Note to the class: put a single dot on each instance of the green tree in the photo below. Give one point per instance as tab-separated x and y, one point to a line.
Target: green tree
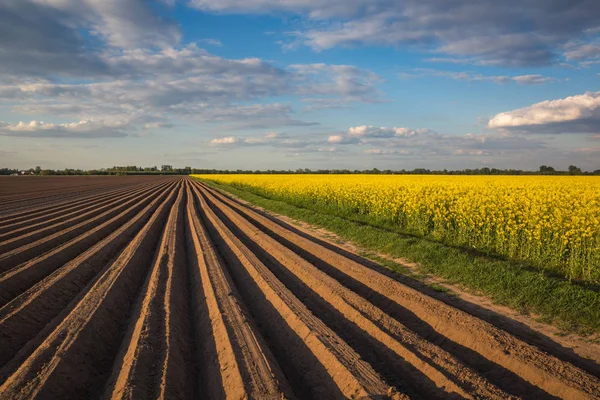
546	170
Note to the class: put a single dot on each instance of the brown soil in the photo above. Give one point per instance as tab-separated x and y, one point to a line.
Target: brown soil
527	326
160	287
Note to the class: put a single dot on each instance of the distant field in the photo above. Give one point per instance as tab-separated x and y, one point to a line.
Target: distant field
15	189
550	223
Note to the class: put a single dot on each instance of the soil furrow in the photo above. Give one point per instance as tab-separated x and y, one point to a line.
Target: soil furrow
59	203
75	357
31	217
27	314
337	362
18	279
154	358
32	198
11	230
99	192
27	252
31	236
508	361
249	369
389	343
43	186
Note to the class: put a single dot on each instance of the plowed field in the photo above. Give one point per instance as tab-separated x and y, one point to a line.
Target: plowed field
160	287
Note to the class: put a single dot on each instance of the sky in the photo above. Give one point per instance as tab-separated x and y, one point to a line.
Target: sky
287	84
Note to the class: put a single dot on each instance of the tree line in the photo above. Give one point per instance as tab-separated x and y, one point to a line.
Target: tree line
544	170
170	170
116	170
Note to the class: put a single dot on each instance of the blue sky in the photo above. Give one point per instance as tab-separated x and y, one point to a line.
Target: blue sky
259	84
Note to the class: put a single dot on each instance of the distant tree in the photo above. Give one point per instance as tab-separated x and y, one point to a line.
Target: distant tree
573	170
424	171
546	170
166	168
8	171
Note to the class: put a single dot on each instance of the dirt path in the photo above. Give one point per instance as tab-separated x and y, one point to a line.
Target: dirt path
165	288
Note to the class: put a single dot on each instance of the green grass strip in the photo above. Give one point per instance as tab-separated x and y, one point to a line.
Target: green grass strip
567	305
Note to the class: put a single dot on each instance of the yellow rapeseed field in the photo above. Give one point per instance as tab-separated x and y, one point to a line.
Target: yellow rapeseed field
548	222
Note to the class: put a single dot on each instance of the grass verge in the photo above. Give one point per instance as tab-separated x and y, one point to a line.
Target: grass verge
567	305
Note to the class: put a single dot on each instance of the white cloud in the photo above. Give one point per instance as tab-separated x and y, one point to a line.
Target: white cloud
365	134
82	129
269	138
342	139
368	131
533	79
371	131
322	9
426	143
382	152
225	141
297	144
420	147
120	23
581	51
580	113
346	82
189	60
190	83
328	150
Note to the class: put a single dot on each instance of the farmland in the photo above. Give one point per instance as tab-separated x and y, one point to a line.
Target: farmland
552	223
163	287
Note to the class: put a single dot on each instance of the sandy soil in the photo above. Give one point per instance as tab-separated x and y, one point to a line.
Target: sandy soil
163	288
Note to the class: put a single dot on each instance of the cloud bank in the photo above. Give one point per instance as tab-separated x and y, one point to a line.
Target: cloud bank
574	114
509	33
82	129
